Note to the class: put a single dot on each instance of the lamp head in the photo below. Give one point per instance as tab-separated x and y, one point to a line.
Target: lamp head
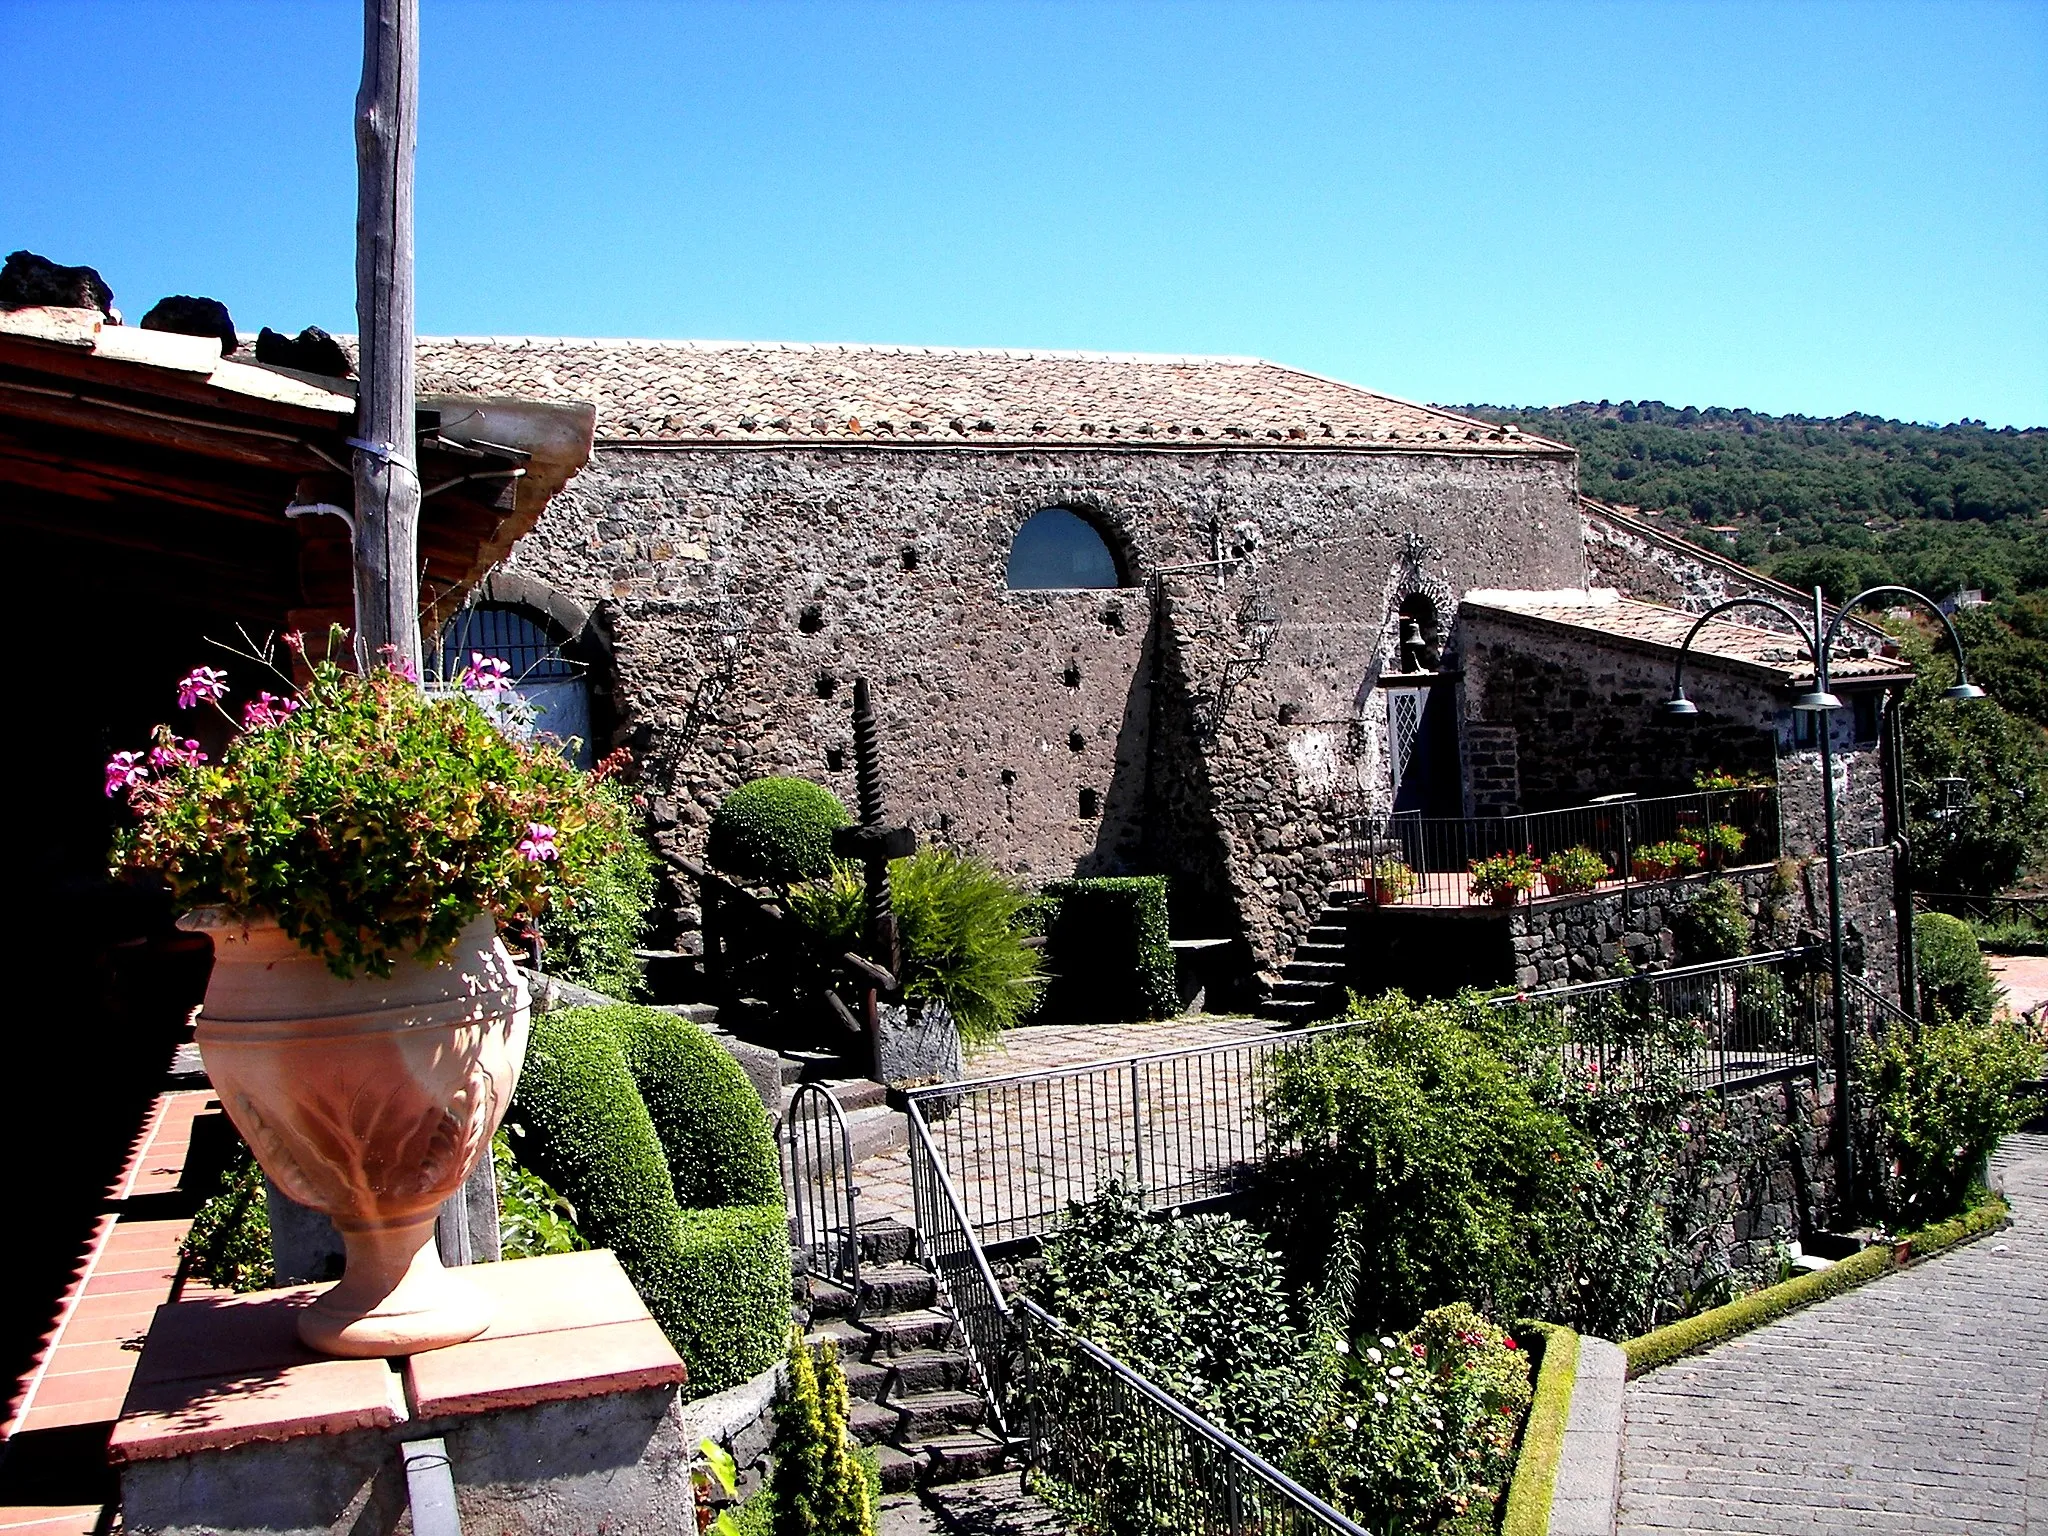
1678	707
1817	702
1963	692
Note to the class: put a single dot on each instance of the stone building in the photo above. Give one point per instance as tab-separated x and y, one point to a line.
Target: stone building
1121	613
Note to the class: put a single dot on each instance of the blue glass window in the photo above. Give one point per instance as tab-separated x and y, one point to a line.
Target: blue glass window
1057	549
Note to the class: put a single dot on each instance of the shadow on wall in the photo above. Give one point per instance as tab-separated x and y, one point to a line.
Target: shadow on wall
1120	834
1183	825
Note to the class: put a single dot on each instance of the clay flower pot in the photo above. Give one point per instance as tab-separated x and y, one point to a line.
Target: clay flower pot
371	1100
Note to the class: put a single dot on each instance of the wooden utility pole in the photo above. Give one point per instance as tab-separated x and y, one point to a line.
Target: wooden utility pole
386	467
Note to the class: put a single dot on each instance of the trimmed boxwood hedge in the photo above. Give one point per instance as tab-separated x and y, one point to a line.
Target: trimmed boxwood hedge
1107	948
1690	1335
777	830
656	1137
1530	1492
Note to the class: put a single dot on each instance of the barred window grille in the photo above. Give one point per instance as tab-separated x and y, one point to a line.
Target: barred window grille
1404	719
512	637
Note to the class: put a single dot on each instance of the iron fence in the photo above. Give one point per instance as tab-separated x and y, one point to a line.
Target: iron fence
1181	1126
2022	914
1702	1028
817	1178
1412	860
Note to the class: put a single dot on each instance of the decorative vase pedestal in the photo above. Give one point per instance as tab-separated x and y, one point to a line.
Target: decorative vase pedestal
369	1099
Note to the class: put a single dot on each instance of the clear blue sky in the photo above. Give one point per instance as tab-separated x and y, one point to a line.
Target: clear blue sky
1789	206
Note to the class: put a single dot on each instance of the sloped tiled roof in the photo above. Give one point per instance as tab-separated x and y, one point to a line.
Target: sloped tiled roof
1603	612
769	392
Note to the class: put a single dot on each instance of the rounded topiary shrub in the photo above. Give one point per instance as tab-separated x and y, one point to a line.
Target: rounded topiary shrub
776	830
1954	979
655	1136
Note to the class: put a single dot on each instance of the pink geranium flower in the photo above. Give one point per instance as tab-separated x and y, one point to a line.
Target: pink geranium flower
201	684
398	665
485	674
173	753
124	771
538	846
267	709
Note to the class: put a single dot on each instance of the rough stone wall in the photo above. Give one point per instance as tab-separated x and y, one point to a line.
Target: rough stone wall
1780	1186
1000	708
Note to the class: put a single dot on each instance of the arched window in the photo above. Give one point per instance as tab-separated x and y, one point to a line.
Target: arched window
542	676
1060	550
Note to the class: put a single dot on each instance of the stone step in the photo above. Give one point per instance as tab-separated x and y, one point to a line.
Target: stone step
900	1469
925	1415
852	1092
922	1370
957	1458
875	1131
1289	989
901	1332
893	1288
1325	972
1308	950
885	1240
870	1422
829	1298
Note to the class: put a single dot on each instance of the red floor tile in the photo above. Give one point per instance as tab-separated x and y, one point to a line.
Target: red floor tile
50	1519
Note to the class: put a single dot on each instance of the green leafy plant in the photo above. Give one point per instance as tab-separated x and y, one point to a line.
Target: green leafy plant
1658	861
368	818
1714	845
532	1219
1389	879
821	1483
962	928
1954	980
1504	878
776	831
1714	780
1715	924
1573	870
1416	1127
228	1243
1942	1101
589	935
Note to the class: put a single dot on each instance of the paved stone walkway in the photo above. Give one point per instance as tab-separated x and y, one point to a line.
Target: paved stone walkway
2024	981
1917	1405
884	1180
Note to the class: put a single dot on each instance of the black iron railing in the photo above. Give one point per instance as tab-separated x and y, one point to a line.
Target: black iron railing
1703	1028
1427	861
2024	916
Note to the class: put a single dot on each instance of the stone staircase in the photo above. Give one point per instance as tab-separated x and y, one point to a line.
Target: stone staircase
1311	987
914	1396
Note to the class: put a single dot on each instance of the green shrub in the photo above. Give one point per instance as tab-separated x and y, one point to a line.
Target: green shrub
822	1483
228	1243
1714	925
1109	951
1942	1102
776	831
1197	1304
1954	979
1417	1128
962	928
657	1138
588	935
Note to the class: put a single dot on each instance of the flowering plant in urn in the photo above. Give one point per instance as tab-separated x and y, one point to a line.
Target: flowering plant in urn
351	855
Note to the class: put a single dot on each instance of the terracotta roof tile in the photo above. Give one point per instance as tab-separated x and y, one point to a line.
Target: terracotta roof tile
1605	613
727	391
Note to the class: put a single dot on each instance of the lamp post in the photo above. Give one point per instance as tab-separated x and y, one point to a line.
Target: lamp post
1817	636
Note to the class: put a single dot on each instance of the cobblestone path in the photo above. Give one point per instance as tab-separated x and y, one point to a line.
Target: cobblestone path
1917	1405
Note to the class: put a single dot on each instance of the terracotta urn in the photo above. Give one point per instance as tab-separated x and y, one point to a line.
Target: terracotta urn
370	1099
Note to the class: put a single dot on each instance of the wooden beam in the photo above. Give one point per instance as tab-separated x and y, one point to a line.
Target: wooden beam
387	472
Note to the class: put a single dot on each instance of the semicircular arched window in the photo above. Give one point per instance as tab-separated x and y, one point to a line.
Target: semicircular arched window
549	682
1060	550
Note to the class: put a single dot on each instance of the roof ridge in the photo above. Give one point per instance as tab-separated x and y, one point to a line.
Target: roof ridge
875	348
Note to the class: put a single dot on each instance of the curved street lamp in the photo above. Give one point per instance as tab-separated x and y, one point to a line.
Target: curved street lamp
1817	638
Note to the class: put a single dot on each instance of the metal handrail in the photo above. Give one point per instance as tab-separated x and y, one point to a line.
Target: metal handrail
933	1189
1193	1422
834	1249
1671	973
